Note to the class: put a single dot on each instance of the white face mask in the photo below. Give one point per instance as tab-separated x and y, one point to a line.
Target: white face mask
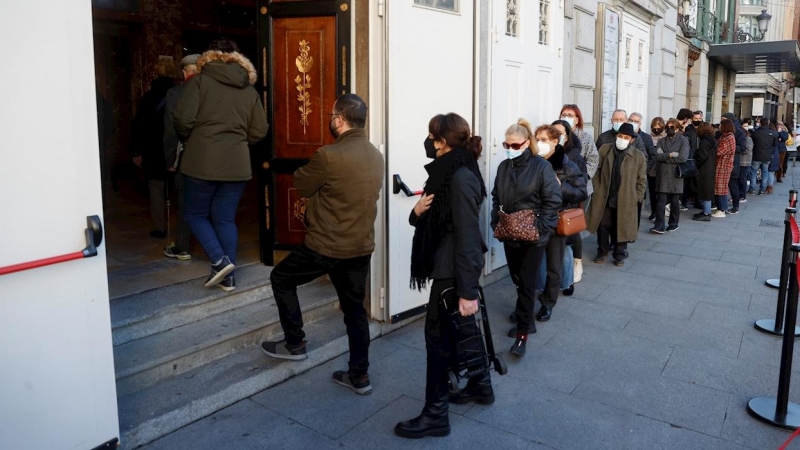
544	149
635	126
569	120
562	139
622	143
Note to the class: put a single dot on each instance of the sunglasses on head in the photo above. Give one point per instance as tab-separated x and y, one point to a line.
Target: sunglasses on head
514	146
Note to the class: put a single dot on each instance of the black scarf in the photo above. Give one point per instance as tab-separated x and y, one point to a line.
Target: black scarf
432	226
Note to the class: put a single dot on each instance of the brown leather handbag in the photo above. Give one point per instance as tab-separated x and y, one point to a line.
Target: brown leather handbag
518	226
571	221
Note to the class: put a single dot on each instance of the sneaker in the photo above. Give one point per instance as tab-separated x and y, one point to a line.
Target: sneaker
758	193
702	217
518	349
360	385
577	270
656	230
282	350
569	291
219	271
228	284
732	211
172	251
742	200
619	262
652	217
751	192
684	207
514	331
718	214
599	258
672	228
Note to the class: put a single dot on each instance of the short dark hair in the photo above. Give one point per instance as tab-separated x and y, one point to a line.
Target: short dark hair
684	113
224	45
456	132
352	110
764	122
698	112
705	129
747	121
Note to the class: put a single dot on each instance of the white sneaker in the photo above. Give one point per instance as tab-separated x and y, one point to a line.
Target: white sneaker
666	211
577	271
719	214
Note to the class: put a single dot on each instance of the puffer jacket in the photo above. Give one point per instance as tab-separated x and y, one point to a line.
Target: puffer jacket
527	182
573	181
666	181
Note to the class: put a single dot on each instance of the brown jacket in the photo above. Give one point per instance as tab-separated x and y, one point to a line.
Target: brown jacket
633	173
343	183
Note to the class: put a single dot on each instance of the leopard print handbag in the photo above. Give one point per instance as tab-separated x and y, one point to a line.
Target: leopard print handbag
518	226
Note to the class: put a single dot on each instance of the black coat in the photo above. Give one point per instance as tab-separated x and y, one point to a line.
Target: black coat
574	154
527	182
764	140
147	129
706	160
690	132
573	180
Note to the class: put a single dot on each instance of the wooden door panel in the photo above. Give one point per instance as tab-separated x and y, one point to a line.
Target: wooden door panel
291	209
304	83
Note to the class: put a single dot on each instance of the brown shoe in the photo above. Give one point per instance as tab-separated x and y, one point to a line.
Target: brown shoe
769	190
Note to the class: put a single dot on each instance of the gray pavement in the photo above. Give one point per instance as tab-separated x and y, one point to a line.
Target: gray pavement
658	354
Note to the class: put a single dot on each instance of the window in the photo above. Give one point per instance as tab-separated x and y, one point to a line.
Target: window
544	18
445	5
641	56
627	53
749	24
752	2
512	17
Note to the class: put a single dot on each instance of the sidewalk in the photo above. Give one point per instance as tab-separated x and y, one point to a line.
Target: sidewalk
658	354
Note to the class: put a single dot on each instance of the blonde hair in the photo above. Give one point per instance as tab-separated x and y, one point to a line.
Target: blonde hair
191	69
521	128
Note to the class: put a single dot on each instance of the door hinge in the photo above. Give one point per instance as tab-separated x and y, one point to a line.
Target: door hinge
494	147
494	256
495	34
382	298
381	5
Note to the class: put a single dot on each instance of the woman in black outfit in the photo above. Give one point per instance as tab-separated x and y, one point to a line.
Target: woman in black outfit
525	181
706	160
448	248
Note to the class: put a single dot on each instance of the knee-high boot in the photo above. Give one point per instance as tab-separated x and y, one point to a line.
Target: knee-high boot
434	420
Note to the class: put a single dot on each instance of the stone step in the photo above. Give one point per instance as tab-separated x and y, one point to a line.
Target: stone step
144	362
144	314
180	400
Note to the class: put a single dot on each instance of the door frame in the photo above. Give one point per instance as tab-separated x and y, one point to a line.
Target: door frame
267	11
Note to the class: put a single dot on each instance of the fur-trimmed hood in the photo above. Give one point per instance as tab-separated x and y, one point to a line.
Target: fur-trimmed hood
240	75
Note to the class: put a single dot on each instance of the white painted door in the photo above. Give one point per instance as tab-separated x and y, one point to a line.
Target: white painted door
633	66
56	362
526	78
430	71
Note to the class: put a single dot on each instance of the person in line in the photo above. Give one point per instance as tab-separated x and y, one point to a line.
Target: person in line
218	115
726	149
745	163
741	148
658	128
620	184
635	119
342	183
147	129
672	151
706	160
572	115
775	162
525	181
448	248
764	141
618	118
690	132
178	249
783	136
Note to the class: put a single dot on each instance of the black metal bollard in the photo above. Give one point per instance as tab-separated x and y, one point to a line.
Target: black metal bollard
775	327
778	411
773	282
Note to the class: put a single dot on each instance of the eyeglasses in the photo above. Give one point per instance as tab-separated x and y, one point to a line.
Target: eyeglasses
670	128
514	146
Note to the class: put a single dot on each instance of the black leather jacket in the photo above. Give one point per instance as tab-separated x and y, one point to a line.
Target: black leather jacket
573	183
527	182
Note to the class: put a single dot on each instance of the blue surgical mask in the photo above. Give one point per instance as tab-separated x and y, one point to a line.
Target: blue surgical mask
569	120
562	139
635	126
616	125
514	153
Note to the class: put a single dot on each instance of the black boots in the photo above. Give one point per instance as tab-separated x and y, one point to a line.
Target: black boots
432	422
478	390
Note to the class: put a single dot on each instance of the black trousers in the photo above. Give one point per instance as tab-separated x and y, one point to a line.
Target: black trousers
440	345
744	177
607	236
349	278
524	261
651	191
733	186
556	247
674	209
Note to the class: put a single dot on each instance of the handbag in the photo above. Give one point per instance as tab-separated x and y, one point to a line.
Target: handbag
687	169
518	226
571	221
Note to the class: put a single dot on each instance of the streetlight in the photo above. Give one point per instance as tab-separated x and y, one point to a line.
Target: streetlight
763	25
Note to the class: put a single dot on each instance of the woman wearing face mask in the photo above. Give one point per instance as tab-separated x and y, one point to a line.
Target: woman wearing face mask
572	115
671	151
706	160
726	148
448	249
526	182
658	132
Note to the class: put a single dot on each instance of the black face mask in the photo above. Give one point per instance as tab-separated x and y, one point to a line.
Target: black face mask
657	130
670	132
697	123
430	150
332	128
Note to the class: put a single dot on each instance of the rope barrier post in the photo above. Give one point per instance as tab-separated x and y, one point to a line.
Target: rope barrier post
779	412
773	282
775	327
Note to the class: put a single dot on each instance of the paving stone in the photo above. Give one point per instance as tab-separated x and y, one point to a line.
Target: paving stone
645	236
746	240
762	348
696	264
753	260
678	272
775	253
412	335
747	249
612	276
694	250
745	284
706	313
607	317
705	234
649	394
700	336
661	303
653	256
590	288
244	425
713	295
378	432
764	306
740	427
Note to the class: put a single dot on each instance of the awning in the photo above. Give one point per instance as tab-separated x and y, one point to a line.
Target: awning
758	57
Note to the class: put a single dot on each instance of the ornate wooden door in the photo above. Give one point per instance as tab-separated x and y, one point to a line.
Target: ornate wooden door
304	47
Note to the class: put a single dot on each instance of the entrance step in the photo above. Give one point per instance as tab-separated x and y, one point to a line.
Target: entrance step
180	400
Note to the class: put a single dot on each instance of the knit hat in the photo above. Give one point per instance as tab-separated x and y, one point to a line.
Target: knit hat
189	60
627	130
729	116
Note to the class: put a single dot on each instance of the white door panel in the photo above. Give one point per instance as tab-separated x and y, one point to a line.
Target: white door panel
633	66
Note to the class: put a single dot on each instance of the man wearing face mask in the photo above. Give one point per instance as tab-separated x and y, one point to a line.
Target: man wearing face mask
342	183
619	118
620	184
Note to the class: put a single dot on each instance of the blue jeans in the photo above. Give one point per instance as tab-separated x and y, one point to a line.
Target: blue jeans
706	207
764	166
210	213
567	272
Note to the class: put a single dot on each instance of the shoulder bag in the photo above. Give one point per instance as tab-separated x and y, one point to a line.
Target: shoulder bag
571	221
518	226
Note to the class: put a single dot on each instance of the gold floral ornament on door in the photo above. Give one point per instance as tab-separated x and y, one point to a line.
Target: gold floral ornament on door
304	63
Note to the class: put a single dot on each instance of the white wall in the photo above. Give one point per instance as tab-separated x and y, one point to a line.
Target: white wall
57	385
